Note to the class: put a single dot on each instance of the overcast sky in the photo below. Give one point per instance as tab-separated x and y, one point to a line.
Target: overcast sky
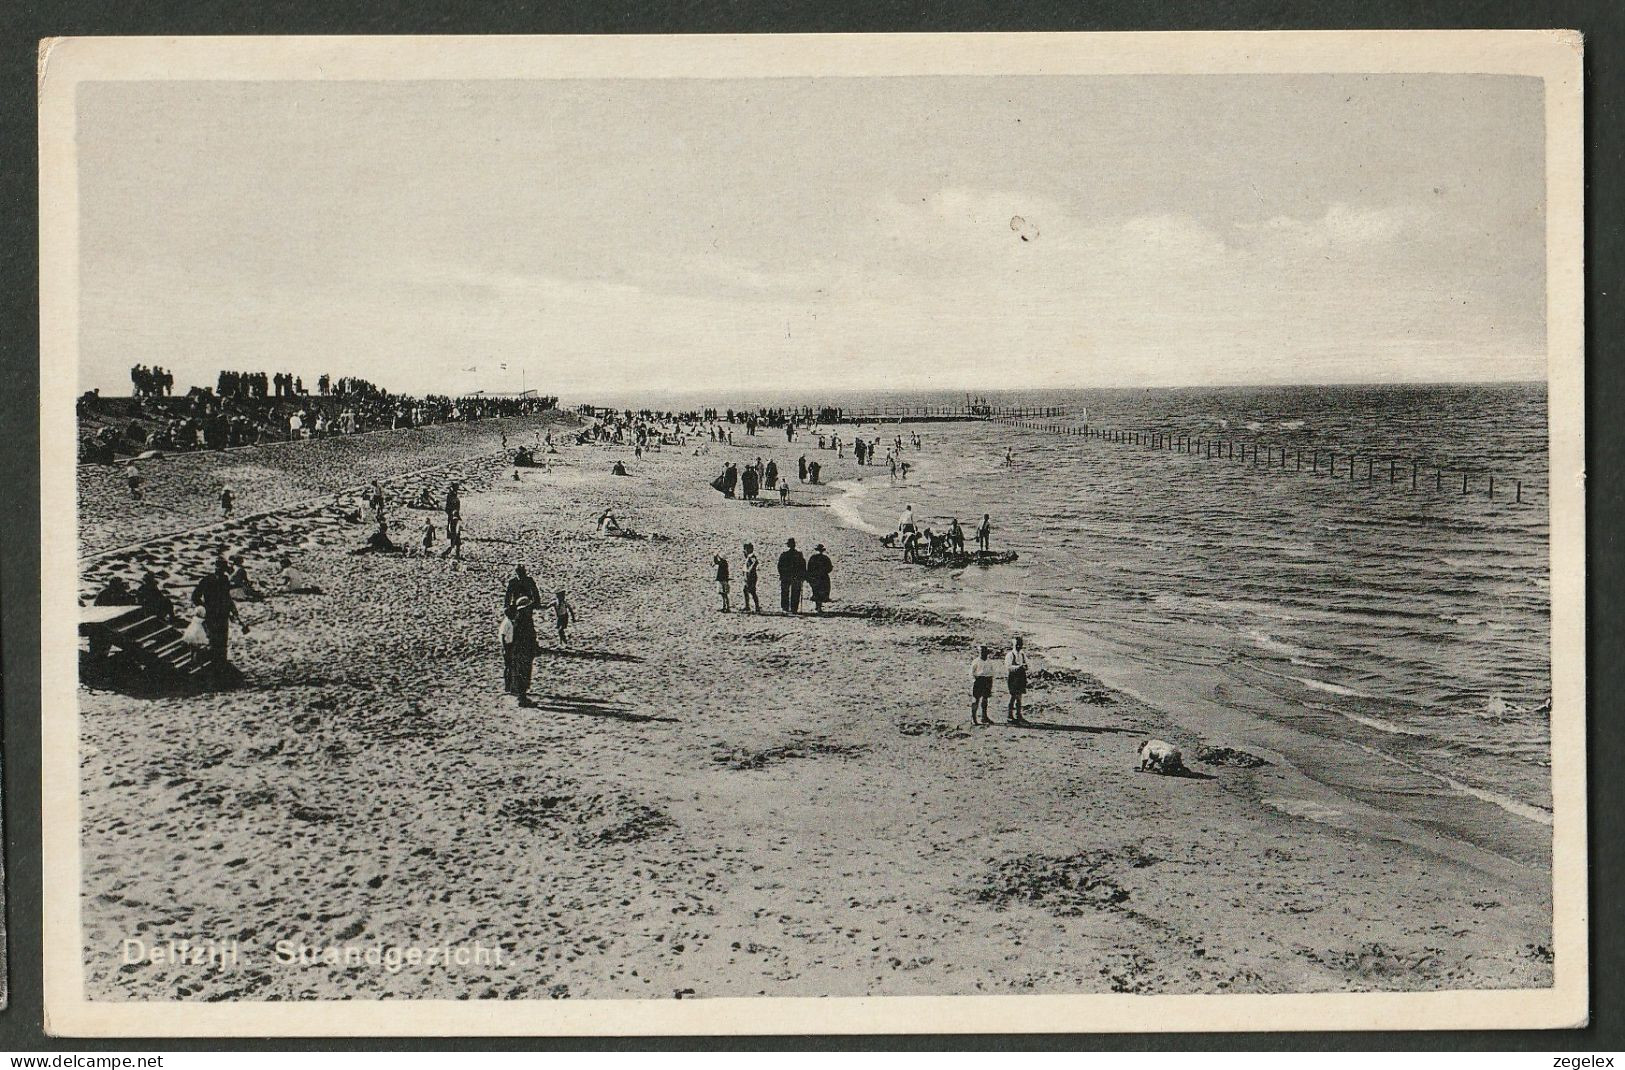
804	234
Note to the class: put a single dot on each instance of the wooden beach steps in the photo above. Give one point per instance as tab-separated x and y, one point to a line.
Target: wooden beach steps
140	638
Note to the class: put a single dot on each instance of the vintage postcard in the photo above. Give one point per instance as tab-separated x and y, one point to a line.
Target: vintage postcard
813	534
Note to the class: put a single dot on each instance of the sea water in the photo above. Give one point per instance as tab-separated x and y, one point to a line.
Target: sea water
1410	626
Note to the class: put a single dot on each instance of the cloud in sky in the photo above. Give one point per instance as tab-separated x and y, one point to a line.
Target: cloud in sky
804	234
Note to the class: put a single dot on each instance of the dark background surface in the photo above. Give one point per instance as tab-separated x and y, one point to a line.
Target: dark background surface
23	23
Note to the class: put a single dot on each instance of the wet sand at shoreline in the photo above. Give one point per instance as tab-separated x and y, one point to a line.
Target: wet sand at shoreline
703	804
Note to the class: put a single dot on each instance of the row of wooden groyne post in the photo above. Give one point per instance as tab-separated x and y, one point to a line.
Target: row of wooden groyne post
1322	461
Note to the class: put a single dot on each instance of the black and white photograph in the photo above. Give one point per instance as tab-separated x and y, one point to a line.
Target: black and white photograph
813	534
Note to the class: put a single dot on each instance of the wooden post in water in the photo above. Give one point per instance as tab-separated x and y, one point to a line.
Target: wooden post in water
1413	474
1464	482
1492	488
1518	495
1438	479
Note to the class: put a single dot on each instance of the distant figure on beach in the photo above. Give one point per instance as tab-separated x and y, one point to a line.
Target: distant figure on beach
792	573
984	532
618	470
751	567
116	593
722	579
379	541
902	471
956	536
801	467
564	615
784	492
905	523
428	537
819	568
227	500
134	479
813	468
294	581
454	538
1009	456
151	597
241	582
911	546
748	482
981	687
770	477
607	521
213	594
375	500
519	647
454	503
1015	680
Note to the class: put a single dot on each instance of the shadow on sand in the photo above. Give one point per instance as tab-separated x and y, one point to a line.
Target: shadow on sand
592	707
1045	726
587	655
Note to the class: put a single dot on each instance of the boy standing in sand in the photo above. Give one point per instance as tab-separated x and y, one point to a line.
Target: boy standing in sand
1015	679
981	687
564	615
751	566
722	579
984	532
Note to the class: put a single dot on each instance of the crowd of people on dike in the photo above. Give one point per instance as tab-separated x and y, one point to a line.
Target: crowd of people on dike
153	382
249	408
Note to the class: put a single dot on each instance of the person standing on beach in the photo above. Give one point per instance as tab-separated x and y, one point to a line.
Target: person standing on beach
454	504
454	537
564	615
1015	680
792	573
981	687
722	579
819	568
784	492
227	499
956	536
813	469
751	566
519	646
213	593
984	532
132	476
801	467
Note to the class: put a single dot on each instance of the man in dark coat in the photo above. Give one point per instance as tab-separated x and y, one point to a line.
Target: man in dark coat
748	480
792	573
520	647
213	593
819	567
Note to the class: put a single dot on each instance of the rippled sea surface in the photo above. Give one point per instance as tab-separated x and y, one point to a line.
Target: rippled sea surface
1414	622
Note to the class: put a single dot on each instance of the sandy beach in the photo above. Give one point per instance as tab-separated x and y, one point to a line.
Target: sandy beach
699	804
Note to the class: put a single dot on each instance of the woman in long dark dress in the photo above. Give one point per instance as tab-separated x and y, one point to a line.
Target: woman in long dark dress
520	647
819	567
